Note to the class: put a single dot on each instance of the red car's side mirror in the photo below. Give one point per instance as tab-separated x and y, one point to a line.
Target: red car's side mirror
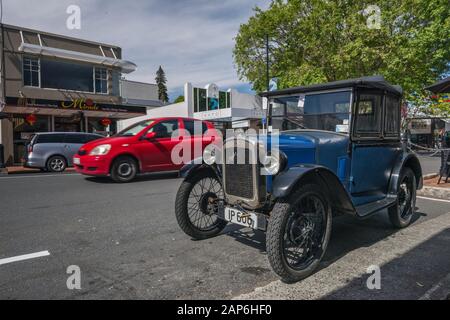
150	136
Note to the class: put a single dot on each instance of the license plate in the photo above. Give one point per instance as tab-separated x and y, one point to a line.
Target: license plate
242	218
76	161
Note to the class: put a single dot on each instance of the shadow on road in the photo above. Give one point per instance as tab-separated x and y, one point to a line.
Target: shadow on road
348	234
139	178
407	277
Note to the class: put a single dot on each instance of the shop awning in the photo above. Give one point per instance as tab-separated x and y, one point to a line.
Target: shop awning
125	66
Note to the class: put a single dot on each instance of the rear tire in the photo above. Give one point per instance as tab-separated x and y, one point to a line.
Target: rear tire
56	164
298	233
124	169
402	212
194	210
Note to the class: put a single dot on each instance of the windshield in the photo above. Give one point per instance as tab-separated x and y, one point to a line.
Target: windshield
323	111
135	129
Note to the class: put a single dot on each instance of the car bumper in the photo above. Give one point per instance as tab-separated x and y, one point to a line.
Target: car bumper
91	165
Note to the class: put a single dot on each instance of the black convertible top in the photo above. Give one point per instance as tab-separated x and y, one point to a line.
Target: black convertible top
374	82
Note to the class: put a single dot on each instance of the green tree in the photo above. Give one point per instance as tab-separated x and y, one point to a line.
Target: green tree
161	81
315	41
179	99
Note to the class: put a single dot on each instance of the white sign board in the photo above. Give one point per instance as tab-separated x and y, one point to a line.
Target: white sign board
420	126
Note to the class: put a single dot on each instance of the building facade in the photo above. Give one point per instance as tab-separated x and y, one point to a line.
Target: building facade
55	83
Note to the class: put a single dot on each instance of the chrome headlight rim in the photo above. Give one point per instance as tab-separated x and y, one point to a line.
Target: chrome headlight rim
210	155
274	163
101	150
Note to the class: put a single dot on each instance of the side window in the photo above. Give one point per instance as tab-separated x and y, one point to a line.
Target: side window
74	138
191	126
30	71
50	138
90	137
392	118
165	129
368	115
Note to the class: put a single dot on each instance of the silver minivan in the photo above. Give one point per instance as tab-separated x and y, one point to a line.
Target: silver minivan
54	151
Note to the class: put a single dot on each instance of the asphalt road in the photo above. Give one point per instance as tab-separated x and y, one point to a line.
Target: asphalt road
126	241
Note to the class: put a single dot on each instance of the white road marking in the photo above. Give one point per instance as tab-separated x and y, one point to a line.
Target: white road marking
24	257
41	176
434	199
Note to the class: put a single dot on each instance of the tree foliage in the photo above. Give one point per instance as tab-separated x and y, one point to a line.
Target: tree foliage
179	99
161	82
315	41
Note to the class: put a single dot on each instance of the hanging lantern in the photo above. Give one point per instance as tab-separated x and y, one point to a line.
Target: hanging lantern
106	122
31	119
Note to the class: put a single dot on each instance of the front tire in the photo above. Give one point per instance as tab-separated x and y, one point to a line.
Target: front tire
124	169
402	212
196	206
298	233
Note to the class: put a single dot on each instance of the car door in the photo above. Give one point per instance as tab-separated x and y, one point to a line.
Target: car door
196	134
72	143
376	145
156	154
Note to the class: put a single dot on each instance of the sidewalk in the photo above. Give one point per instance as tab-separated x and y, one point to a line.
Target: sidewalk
22	170
413	261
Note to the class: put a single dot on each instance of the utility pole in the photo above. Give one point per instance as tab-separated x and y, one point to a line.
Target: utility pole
267	64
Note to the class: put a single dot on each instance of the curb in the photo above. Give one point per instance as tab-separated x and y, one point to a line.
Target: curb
434	192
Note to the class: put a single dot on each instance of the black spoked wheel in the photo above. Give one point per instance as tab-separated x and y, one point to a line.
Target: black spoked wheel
298	233
402	213
196	206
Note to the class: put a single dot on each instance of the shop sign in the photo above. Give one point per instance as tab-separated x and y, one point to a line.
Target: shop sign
420	126
80	104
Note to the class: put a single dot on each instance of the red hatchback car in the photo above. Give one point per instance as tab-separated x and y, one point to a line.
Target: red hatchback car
144	147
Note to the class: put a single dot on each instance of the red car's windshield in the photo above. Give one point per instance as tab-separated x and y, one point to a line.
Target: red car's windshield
135	129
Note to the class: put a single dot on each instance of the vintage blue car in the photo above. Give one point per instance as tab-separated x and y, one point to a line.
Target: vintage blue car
340	152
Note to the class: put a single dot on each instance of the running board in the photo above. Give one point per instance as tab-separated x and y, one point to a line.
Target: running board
368	209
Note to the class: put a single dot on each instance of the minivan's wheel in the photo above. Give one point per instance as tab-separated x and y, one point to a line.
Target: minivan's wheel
196	206
402	212
298	233
56	164
124	169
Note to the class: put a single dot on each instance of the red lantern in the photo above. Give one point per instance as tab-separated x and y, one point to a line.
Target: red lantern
31	119
106	122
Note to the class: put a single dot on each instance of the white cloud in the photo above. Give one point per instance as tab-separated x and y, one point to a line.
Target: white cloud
191	39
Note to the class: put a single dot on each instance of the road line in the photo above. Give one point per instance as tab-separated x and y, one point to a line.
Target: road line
41	176
433	199
24	257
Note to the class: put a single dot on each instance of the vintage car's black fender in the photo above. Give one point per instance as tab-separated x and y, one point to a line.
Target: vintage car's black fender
195	166
285	182
411	161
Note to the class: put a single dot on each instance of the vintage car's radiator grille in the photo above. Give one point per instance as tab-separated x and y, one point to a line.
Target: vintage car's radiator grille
239	177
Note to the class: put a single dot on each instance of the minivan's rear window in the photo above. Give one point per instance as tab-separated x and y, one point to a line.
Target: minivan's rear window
50	138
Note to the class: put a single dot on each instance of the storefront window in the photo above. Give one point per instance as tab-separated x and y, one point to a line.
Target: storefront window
68	124
24	126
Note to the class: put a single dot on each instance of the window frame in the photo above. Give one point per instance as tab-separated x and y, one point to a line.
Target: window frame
390	135
367	136
38	71
95	68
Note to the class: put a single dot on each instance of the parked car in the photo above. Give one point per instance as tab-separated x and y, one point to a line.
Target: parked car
54	151
144	147
340	153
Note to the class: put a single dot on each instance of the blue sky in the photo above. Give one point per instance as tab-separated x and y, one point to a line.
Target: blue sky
191	39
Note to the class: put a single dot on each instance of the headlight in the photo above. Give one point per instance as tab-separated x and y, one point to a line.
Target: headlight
101	150
210	155
273	164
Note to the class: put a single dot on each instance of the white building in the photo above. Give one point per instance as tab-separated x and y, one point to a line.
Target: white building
225	108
